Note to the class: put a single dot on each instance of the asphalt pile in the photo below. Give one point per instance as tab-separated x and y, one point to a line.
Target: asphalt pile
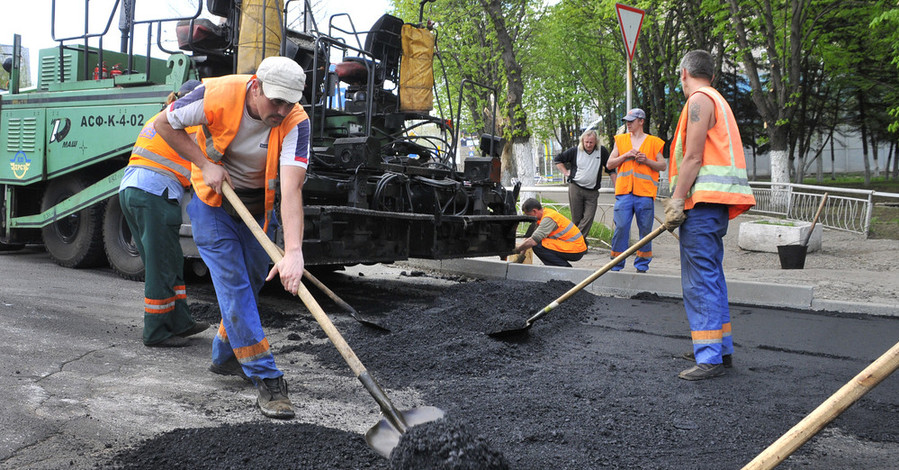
574	393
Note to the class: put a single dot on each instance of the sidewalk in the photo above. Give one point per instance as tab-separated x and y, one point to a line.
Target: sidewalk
849	274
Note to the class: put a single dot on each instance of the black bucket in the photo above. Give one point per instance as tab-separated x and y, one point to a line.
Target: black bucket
792	256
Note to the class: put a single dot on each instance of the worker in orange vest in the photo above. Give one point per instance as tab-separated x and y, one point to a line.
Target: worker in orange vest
257	137
707	175
556	240
150	195
637	157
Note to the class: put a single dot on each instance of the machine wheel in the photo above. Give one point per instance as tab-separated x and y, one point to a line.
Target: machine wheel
119	243
75	241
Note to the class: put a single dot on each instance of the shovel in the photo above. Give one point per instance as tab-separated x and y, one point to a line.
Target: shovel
337	300
384	435
517	333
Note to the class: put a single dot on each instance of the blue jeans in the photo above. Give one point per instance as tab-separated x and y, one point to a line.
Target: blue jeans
702	280
626	207
238	265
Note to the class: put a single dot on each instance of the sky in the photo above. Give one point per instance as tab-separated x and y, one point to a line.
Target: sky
34	24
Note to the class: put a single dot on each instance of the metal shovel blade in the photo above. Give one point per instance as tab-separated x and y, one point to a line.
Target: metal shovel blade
383	437
513	333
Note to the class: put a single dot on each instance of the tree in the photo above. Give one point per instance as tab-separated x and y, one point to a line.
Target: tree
771	37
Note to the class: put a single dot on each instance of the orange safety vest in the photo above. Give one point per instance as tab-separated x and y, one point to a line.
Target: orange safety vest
151	151
566	238
641	180
722	177
223	104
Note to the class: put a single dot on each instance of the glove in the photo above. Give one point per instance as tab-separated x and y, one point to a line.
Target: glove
674	213
517	258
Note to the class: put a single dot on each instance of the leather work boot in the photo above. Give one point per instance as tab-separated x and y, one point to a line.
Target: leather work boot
170	342
702	372
230	367
272	400
727	360
198	327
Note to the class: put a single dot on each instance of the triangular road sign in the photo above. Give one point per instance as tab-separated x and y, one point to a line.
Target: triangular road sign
630	19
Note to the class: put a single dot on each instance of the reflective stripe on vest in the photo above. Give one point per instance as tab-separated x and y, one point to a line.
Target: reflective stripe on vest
722	177
151	151
635	178
223	104
566	238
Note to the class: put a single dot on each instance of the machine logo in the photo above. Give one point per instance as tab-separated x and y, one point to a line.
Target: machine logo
60	129
20	164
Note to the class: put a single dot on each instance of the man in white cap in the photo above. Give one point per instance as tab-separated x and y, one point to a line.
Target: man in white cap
256	133
637	159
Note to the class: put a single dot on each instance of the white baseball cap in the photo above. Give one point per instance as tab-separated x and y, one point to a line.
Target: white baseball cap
282	79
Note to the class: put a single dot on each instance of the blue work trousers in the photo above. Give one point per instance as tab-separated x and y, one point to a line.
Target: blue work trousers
627	206
238	266
702	279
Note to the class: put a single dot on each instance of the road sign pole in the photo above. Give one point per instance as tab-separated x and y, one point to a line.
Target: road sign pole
630	85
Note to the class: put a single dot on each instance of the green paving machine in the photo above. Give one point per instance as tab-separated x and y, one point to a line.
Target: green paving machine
383	183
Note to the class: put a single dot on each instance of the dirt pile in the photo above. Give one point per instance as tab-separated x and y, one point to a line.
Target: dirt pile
444	445
592	385
258	445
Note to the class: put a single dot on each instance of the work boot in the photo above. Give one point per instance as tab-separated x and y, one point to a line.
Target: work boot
273	400
727	360
702	372
198	327
230	367
170	342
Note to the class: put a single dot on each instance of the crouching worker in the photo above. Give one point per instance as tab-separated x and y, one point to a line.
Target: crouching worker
556	241
257	137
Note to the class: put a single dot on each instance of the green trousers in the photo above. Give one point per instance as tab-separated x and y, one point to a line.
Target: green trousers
155	222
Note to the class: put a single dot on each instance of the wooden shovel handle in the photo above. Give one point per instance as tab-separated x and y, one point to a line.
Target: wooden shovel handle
274	253
827	411
599	272
815	220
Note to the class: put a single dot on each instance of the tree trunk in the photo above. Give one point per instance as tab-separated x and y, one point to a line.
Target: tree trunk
862	119
523	152
819	169
874	155
895	161
509	165
780	170
833	161
518	119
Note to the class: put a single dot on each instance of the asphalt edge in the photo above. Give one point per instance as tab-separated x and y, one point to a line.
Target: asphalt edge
621	284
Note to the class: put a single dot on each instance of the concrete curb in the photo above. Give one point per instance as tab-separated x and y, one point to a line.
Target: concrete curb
620	284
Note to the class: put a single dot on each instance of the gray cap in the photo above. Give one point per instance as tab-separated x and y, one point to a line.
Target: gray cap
282	79
634	114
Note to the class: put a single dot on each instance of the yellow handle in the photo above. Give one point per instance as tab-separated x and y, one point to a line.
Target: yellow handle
827	411
274	252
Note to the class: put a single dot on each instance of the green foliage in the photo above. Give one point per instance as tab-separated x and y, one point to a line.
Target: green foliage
810	65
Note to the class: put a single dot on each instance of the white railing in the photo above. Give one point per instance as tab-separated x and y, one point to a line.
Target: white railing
846	209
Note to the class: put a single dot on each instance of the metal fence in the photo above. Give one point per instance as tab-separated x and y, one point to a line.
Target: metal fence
846	209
